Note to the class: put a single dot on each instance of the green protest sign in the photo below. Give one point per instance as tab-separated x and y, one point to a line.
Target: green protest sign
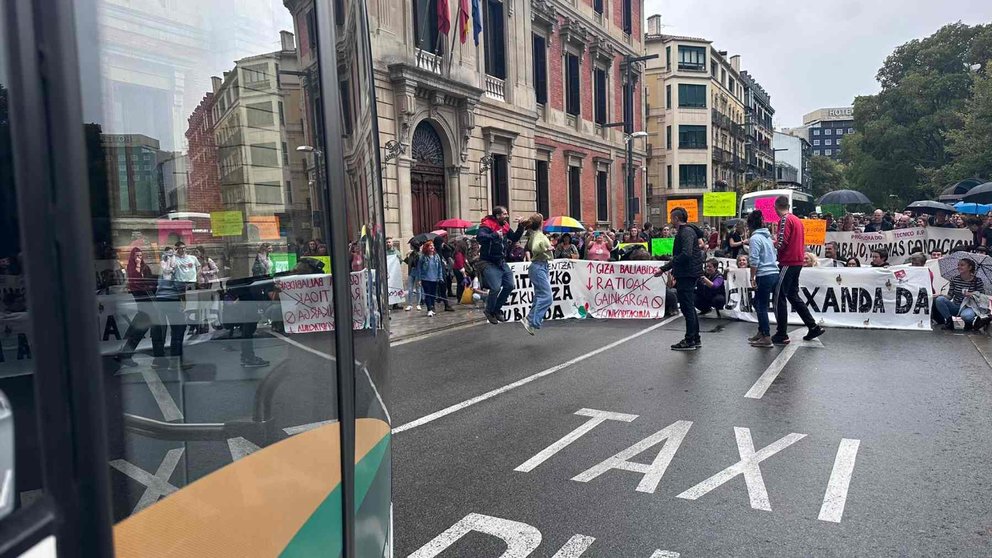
719	204
662	246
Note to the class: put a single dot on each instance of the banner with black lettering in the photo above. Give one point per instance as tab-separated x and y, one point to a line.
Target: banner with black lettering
394	279
583	289
306	302
872	298
899	243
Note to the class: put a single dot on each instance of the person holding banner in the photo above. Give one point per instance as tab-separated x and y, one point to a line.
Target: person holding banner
791	257
764	275
539	248
687	267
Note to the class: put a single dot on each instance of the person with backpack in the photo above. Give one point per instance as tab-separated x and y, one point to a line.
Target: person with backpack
687	267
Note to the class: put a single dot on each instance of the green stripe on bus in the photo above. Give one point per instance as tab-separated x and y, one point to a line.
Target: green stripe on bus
321	534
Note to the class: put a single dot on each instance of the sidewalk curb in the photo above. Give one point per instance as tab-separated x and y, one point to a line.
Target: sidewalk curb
431	331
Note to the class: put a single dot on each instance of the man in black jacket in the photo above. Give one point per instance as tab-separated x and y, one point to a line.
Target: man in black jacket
687	267
495	239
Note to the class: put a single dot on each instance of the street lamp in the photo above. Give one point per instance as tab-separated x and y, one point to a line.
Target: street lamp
309	149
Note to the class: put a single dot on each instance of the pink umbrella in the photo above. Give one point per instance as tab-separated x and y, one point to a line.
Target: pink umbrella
440	232
454	224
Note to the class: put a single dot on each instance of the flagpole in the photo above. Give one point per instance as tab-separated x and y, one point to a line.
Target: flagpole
454	37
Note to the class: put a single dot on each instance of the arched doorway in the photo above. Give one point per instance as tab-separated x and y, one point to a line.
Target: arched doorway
427	181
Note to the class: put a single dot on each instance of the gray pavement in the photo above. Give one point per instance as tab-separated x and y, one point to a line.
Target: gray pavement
883	444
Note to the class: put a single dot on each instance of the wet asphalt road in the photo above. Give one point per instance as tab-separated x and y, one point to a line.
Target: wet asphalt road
917	405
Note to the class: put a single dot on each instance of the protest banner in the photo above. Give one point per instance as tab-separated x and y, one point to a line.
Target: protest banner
815	231
263	227
691	207
662	246
582	289
282	261
719	204
867	298
628	245
306	302
394	279
900	243
767	208
226	223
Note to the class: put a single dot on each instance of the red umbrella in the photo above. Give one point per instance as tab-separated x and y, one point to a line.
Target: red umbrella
453	224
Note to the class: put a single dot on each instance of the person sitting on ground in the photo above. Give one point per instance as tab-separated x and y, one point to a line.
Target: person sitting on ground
742	262
963	285
880	257
852	262
565	249
710	293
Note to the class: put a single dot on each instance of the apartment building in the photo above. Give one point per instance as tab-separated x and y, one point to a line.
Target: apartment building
696	117
759	157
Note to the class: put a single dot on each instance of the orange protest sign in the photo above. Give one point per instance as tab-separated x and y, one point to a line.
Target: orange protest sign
267	226
691	207
815	231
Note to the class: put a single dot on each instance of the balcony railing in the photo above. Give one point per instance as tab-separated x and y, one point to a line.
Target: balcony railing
429	61
495	88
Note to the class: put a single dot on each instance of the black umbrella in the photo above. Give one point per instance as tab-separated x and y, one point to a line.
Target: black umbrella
958	190
979	194
844	197
930	207
733	222
424	237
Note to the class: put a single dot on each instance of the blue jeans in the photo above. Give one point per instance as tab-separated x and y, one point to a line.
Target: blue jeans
762	295
541	282
948	308
499	279
414	288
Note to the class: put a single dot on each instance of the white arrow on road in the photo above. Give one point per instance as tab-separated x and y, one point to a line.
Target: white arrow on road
759	388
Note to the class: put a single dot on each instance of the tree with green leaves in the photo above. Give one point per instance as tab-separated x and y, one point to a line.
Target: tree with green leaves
901	144
971	145
826	175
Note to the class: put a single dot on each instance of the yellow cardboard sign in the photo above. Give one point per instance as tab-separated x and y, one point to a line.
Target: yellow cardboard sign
226	223
720	204
691	207
815	231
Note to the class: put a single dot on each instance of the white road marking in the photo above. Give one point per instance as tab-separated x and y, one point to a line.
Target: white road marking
241	447
575	547
331	358
598	417
747	466
157	485
672	436
499	391
835	498
665	554
161	394
292	430
521	539
759	388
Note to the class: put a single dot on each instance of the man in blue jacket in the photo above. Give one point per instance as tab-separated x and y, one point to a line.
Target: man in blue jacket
495	240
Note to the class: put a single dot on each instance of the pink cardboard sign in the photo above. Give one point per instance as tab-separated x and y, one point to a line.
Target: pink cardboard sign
767	208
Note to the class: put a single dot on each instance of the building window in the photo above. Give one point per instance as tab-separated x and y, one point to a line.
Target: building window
425	32
575	192
668	96
540	70
598	6
668	137
828	142
349	119
543	205
628	17
668	58
599	92
692	96
668	175
713	67
692	58
692	137
732	86
840	131
816	131
602	196
572	105
500	181
829	152
816	142
828	131
850	130
495	39
260	114
628	114
692	176
264	155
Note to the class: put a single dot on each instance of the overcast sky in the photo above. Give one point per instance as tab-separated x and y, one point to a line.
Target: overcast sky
810	55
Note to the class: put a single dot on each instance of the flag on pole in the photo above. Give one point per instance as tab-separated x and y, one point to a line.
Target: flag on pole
443	17
476	20
463	20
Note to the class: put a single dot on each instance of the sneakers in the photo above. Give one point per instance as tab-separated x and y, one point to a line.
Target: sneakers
763	342
491	317
685	345
125	361
419	308
254	362
430	313
755	337
814	333
408	308
697	342
448	309
527	326
500	317
780	339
